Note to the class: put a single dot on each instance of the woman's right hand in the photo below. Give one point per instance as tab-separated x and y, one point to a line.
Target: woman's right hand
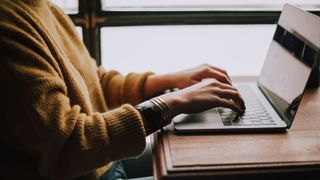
202	96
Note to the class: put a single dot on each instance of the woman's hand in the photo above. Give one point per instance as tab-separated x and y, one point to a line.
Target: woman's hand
192	76
156	84
202	96
202	88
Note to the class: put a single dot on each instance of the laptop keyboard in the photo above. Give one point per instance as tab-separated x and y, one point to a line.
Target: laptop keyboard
255	114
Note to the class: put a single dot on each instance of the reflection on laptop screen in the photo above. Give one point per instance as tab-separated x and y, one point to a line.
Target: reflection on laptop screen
286	71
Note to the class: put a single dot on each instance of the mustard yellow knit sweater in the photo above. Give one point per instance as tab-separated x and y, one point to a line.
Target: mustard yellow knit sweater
54	121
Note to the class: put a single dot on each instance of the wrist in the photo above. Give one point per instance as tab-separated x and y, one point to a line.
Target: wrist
155	114
174	103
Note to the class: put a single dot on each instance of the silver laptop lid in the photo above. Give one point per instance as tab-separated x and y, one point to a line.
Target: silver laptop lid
293	53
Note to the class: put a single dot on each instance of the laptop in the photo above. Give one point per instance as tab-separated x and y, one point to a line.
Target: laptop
272	101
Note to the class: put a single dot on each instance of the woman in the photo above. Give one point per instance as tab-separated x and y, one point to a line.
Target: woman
64	117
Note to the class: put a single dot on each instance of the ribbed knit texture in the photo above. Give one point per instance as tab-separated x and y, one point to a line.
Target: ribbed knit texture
53	102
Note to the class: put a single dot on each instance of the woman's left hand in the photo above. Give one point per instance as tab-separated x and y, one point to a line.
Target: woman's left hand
158	83
192	76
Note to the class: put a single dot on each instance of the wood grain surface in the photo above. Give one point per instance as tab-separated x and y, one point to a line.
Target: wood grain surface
298	147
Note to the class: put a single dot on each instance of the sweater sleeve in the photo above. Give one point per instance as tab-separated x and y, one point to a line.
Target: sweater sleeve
40	120
119	89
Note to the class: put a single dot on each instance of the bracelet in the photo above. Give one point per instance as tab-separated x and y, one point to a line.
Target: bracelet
156	113
164	109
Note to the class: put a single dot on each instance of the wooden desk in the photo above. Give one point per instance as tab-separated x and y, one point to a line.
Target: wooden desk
294	154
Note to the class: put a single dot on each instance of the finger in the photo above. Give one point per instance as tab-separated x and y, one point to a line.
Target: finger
219	69
227	86
233	95
229	104
218	76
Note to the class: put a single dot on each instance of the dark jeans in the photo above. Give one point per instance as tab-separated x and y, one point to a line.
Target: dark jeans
139	168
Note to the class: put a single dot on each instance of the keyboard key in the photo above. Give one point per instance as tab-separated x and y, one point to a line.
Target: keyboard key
256	123
247	122
266	122
255	120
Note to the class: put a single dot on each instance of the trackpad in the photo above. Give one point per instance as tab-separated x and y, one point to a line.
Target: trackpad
209	119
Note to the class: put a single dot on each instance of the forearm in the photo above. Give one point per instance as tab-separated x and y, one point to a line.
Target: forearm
120	89
156	84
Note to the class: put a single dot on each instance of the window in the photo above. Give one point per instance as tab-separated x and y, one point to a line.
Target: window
205	5
240	49
165	35
69	6
79	31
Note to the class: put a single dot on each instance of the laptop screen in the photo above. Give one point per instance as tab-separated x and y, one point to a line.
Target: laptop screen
286	71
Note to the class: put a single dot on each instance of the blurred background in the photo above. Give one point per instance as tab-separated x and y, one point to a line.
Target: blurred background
169	35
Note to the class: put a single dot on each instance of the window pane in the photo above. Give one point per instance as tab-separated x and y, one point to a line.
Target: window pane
69	6
79	31
195	5
241	49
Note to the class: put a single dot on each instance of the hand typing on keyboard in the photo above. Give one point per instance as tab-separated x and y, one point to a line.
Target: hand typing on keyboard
200	95
256	113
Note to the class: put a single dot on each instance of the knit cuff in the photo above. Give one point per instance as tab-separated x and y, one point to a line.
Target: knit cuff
127	132
133	89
